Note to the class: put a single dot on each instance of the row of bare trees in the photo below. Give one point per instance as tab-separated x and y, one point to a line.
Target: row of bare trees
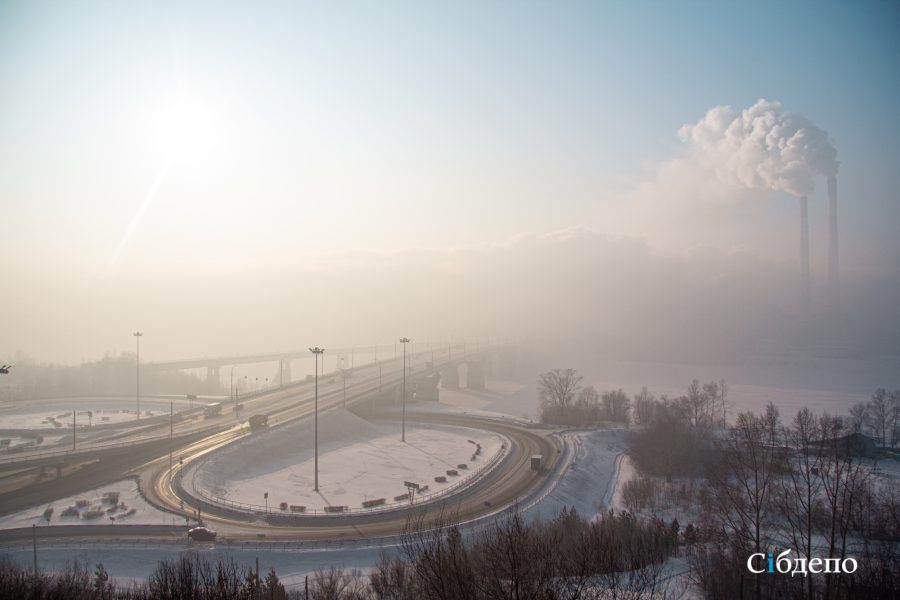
565	402
615	556
190	576
801	486
676	433
568	558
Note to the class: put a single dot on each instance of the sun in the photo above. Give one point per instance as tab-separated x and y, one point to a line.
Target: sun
185	129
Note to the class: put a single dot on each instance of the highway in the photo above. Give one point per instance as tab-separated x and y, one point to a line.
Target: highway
269	401
508	483
24	481
511	481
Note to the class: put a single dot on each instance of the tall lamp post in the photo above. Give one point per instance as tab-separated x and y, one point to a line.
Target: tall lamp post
404	341
317	351
231	386
137	337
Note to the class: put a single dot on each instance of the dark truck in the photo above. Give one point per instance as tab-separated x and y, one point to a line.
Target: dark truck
258	422
537	462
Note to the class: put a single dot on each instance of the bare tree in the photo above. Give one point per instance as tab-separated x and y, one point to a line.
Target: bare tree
741	484
588	403
644	403
700	403
516	561
334	583
557	390
559	387
801	489
879	414
393	579
844	481
716	393
616	406
895	417
859	416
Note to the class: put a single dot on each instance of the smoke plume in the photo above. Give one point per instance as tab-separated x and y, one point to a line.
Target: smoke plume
762	147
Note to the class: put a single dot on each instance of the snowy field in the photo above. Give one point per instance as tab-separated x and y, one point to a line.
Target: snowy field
358	461
120	500
49	415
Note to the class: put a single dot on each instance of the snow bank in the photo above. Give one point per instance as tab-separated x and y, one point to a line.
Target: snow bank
588	482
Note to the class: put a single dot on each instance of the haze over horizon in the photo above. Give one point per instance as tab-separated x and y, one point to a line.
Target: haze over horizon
233	180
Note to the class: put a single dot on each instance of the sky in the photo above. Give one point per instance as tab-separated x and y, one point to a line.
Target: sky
187	166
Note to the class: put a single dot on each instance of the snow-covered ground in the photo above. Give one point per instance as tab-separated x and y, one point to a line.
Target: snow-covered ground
591	475
358	460
627	471
53	415
95	508
590	483
888	469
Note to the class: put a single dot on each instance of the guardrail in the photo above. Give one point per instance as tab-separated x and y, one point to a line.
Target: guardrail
20	540
427	498
37	456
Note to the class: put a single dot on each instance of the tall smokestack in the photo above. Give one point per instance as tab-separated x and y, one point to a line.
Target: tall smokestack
833	263
804	252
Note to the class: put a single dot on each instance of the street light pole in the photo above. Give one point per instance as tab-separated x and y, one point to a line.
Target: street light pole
231	386
404	341
317	351
137	337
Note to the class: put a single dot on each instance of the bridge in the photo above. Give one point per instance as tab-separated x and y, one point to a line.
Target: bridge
283	360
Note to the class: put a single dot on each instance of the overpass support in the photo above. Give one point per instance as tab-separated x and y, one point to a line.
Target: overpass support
475	375
284	371
212	380
450	377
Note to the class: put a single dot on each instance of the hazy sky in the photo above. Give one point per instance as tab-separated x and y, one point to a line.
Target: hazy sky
201	146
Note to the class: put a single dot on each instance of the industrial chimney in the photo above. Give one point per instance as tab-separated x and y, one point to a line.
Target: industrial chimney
804	253
833	274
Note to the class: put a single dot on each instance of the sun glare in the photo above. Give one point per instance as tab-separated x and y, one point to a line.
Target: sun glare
185	129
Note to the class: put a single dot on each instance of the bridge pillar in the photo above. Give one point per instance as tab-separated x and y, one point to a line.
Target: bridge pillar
475	375
427	388
450	377
212	379
284	371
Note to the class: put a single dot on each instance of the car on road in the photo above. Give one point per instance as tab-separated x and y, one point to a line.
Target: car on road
201	534
259	422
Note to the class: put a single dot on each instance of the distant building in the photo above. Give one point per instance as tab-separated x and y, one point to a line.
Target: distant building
854	444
